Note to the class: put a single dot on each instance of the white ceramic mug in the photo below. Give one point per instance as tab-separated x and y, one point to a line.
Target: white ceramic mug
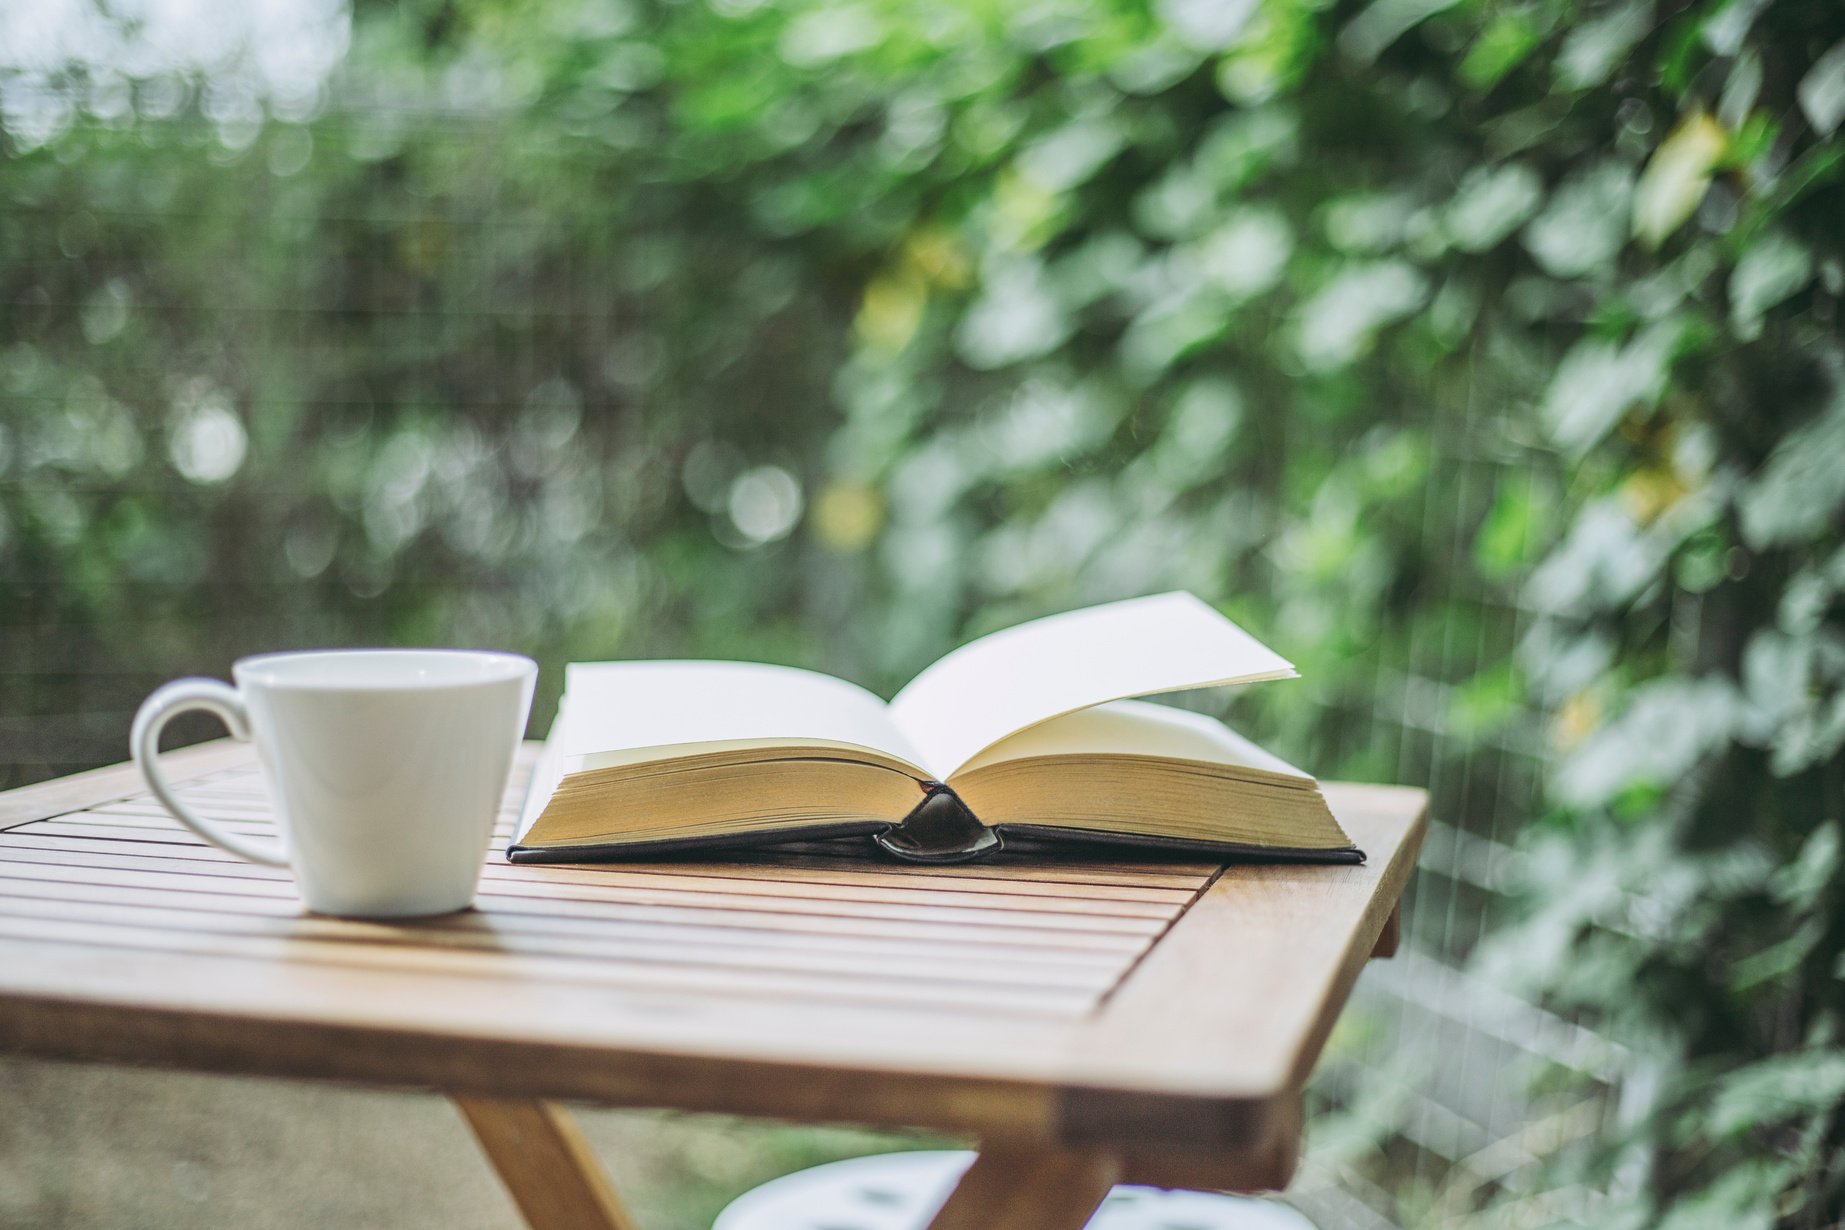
386	767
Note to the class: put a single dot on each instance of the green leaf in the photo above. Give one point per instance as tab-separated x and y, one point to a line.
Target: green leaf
1680	54
1585	224
1670	726
1777	671
1492	203
1247	253
1367	222
1071	155
1383	23
1772	269
1813	737
1809	594
1740	91
1795	494
1777	1090
1166	330
1515	529
1592	49
1180	204
822	36
1775	962
1822	91
1338	324
1601	564
1740	1198
1505	44
1208	25
1018	317
1485	703
1703	564
1726	26
1799	884
1598	382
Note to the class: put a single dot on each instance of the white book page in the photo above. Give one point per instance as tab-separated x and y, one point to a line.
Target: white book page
1011	680
545	776
1136	728
633	707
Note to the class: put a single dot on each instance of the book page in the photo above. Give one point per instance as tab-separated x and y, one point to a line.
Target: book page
1136	728
545	774
633	707
1011	680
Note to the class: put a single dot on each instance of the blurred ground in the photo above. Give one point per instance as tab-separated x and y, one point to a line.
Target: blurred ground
100	1148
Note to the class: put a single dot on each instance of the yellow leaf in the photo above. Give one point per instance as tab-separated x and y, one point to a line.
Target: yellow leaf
847	516
937	256
1025	212
891	313
1575	721
1648	493
1677	177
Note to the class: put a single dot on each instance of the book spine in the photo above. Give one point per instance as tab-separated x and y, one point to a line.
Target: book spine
939	829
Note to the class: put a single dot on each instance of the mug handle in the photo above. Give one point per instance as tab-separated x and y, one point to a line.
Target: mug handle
162	707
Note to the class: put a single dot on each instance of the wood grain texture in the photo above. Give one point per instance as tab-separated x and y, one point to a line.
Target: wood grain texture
1391	937
1160	1012
1265	1164
1266	956
1029	1189
80	790
547	1168
61	861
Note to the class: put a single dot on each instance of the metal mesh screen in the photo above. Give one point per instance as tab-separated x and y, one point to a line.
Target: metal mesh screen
1421	1111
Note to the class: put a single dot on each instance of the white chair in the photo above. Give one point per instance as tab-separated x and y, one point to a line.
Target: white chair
901	1191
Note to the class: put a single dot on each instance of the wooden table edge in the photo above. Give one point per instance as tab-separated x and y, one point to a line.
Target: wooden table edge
92	1031
1200	1110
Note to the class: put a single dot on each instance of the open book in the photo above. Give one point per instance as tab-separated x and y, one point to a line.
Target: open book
1025	733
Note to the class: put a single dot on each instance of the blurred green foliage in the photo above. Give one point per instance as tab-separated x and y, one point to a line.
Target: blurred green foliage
1484	357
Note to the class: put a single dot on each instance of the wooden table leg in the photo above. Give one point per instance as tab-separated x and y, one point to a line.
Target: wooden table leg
546	1166
1028	1189
1392	935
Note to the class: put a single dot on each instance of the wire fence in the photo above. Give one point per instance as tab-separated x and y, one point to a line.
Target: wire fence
1430	1102
1437	1089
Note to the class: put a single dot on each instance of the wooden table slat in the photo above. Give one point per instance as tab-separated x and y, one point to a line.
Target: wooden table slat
172	845
766	950
849	877
907	993
688	883
50	874
246	878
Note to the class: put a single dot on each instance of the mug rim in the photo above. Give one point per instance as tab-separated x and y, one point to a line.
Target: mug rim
262	669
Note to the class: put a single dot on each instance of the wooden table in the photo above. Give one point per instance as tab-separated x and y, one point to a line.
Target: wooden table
1089	1020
